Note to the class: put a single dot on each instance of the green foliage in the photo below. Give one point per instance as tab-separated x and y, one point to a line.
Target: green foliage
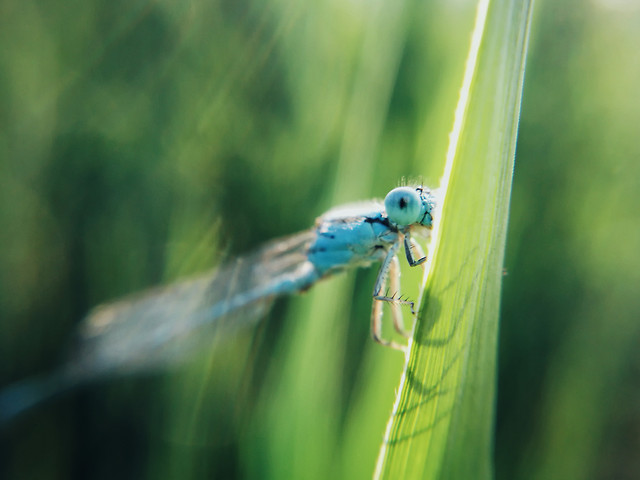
442	425
141	142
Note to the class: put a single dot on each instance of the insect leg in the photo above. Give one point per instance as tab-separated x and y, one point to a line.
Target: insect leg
376	320
416	246
394	282
382	278
409	245
376	327
376	311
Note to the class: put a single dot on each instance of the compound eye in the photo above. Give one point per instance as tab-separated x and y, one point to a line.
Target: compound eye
403	205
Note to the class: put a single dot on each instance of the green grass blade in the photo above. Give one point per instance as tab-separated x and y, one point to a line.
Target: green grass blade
442	424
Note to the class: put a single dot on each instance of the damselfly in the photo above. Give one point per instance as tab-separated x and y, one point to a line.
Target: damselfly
161	325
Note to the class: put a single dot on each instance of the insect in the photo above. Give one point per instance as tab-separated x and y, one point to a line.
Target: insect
162	325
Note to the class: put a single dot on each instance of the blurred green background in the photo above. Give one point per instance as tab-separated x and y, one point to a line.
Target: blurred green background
144	141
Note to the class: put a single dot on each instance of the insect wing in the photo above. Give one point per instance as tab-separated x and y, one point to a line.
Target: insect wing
161	326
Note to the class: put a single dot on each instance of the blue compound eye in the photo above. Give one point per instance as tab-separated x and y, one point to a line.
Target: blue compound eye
403	205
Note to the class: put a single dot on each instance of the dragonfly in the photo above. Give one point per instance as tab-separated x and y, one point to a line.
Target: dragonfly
159	326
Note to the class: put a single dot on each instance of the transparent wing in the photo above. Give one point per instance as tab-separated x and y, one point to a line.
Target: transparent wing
162	326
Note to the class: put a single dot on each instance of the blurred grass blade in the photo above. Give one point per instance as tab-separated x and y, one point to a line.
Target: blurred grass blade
442	424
